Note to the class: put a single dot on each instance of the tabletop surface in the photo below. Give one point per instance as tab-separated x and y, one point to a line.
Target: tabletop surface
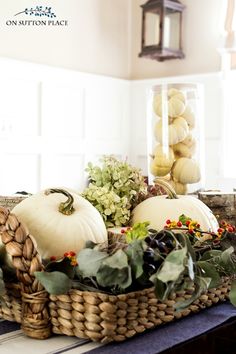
13	341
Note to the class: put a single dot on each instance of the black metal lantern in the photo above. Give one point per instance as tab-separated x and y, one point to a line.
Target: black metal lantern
161	29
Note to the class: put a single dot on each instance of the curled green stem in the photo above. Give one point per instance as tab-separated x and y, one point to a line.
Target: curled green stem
66	207
195	230
167	188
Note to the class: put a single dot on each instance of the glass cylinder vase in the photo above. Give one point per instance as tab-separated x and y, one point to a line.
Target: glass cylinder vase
175	136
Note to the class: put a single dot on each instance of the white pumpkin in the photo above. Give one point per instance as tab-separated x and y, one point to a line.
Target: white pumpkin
60	221
189	116
173	92
186	170
181	150
179	188
177	131
190	141
175	105
162	162
158	209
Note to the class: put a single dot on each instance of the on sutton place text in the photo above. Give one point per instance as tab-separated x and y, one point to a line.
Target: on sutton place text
37	23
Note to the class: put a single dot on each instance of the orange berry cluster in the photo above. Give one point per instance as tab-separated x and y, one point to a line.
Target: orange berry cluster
191	225
224	226
70	255
53	258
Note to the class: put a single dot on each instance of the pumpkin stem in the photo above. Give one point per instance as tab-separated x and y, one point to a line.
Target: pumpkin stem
167	188
66	207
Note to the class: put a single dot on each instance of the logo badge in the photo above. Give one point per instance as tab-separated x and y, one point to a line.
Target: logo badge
38	11
40	16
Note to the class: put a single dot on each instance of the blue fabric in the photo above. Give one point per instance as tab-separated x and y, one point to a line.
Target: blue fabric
171	334
157	340
6	327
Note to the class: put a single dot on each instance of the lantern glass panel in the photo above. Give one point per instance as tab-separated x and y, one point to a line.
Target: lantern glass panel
172	30
152	29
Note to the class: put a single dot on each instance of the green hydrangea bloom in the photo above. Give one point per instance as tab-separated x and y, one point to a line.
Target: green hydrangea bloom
113	189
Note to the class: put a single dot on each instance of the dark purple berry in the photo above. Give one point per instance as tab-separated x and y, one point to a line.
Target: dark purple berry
154	243
149	268
157	263
162	247
148	255
148	239
169	243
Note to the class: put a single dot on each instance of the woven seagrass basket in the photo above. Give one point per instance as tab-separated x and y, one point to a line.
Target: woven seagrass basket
97	316
11	201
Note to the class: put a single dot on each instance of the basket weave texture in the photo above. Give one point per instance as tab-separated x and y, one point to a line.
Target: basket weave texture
10	202
97	316
105	318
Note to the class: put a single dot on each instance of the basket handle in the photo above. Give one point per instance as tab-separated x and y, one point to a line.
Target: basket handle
21	246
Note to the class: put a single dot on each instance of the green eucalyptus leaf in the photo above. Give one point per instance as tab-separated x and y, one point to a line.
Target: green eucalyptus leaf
56	283
185	242
89	261
115	271
232	293
134	252
173	266
228	240
201	285
227	261
183	284
209	271
162	290
90	244
182	238
62	265
223	261
190	248
211	254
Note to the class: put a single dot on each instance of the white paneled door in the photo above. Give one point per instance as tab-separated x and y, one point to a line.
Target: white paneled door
52	123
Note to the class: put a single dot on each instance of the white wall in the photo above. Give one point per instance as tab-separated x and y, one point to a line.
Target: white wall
203	22
104	37
53	121
96	39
